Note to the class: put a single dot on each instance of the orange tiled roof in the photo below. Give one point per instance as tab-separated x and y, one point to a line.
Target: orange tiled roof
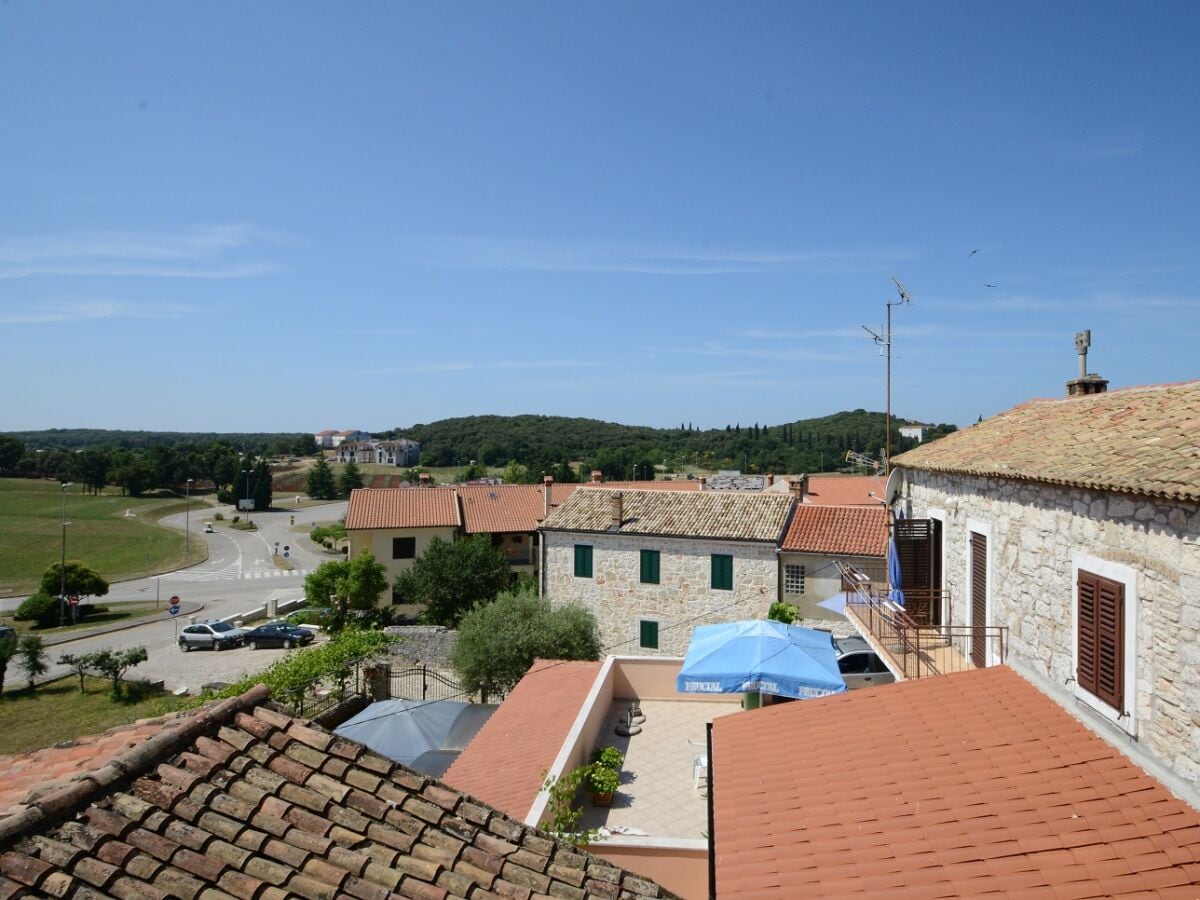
247	801
850	530
504	763
499	508
721	515
429	507
845	490
1143	440
963	785
646	485
39	772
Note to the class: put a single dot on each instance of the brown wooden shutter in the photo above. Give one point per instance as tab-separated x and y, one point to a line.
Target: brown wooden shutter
1101	638
914	546
978	599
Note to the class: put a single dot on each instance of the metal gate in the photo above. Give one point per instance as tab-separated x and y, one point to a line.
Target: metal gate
423	683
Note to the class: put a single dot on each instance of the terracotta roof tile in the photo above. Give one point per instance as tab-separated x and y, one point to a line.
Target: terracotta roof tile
850	530
971	784
299	833
504	762
681	485
501	508
703	514
844	490
1143	440
432	507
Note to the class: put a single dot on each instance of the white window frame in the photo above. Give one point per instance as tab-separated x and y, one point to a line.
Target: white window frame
984	529
803	580
1125	719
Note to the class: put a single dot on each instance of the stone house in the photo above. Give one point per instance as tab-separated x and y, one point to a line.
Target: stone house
817	539
385	453
650	565
1075	523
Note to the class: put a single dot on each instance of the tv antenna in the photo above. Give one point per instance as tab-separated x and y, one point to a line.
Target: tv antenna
885	340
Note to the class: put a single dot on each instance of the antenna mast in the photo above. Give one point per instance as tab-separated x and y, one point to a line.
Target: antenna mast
885	340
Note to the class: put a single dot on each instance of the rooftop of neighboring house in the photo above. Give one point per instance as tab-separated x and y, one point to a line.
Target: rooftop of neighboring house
963	785
328	432
245	800
432	507
477	508
700	514
678	485
844	490
349	431
841	530
505	763
1140	440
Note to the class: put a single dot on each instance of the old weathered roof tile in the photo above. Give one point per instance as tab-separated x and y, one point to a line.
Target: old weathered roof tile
843	530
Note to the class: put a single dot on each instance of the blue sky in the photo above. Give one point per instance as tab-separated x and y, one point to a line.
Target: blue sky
288	217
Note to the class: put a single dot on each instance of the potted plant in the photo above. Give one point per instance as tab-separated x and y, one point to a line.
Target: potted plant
608	757
602	782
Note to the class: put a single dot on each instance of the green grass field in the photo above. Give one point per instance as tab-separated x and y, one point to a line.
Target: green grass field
58	712
117	546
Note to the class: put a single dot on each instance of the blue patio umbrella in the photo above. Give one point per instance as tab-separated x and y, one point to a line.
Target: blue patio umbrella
760	656
895	594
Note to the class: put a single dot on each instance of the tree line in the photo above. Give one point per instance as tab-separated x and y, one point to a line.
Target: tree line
546	444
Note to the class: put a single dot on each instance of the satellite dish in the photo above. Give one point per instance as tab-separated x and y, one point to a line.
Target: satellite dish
892	488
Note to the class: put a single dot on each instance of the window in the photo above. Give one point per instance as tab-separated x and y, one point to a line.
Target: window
404	548
793	579
648	629
722	572
1100	634
583	560
650	561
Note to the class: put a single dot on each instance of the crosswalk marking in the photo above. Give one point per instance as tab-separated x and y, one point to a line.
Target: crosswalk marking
233	573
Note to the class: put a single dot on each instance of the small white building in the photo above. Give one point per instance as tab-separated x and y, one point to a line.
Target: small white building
651	565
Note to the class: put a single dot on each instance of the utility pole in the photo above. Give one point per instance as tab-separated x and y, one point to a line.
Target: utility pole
885	341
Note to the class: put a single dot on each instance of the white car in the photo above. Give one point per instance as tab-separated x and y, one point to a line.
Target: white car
208	528
210	635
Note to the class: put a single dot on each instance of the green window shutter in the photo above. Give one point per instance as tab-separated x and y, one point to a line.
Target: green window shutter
649	635
583	561
650	565
722	572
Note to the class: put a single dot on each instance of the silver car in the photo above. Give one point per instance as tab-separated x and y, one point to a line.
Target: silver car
859	664
210	635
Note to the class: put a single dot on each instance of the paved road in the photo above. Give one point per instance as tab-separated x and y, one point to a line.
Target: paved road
238	575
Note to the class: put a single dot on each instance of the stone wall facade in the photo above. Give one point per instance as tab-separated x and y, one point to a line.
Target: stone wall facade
684	597
1039	535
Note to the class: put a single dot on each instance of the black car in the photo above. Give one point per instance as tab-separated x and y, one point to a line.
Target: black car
859	664
278	634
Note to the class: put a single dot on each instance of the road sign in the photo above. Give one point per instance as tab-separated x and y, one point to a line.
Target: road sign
74	601
286	554
173	609
286	548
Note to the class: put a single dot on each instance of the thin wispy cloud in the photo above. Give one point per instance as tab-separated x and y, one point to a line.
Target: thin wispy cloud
199	252
629	258
90	311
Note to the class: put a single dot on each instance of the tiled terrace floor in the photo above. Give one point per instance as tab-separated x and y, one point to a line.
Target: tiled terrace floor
657	793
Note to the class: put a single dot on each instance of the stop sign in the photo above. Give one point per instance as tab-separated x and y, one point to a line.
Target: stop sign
74	601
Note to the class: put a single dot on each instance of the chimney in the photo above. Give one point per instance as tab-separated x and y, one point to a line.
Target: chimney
799	487
425	479
616	505
597	476
770	478
1086	383
703	482
547	486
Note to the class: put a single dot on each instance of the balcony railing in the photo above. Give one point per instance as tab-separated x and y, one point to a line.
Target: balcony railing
919	649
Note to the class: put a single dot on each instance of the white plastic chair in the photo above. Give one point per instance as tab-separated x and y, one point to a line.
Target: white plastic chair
699	751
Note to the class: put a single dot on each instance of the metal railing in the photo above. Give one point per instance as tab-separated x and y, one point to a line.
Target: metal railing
920	650
315	697
422	683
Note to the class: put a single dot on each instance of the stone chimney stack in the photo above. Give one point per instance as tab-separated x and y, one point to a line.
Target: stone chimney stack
703	482
547	486
616	504
1086	383
426	478
770	478
799	487
597	476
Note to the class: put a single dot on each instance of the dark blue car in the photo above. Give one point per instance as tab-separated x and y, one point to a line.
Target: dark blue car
278	634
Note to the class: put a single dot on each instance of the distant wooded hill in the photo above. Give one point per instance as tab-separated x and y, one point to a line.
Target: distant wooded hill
81	438
543	443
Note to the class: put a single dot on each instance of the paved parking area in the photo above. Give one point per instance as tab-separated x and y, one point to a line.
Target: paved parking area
177	669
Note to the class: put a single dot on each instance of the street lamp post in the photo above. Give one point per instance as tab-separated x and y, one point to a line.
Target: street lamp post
187	517
62	571
246	472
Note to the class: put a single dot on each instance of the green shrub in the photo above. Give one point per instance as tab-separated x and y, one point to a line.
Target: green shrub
40	608
783	612
601	779
608	758
220	517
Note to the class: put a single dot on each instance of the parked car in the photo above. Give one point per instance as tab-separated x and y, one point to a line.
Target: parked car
278	634
213	635
208	528
8	633
859	664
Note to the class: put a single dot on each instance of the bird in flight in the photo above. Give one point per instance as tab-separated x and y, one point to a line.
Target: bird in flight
973	252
